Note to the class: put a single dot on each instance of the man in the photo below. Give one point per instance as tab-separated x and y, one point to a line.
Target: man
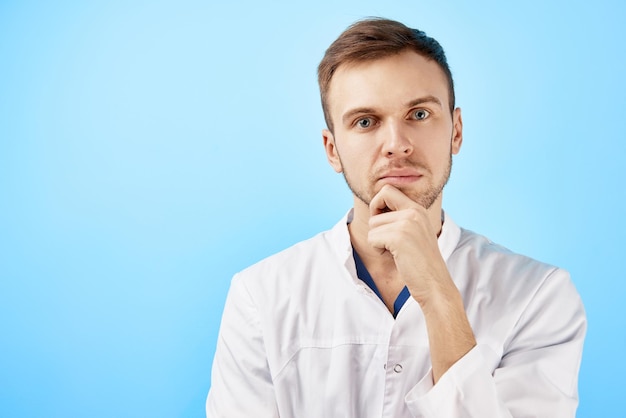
396	311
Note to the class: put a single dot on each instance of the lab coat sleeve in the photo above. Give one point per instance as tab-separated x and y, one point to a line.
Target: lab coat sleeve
241	384
537	375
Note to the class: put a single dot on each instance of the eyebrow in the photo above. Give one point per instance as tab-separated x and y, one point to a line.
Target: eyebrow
425	99
363	110
358	111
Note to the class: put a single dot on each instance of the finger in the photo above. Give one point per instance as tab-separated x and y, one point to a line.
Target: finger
387	217
381	237
389	199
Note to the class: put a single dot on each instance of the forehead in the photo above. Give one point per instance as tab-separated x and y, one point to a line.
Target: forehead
386	83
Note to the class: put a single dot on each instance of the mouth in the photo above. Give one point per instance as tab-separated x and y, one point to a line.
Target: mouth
400	176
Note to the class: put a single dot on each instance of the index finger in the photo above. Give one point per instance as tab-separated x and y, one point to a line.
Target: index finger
389	199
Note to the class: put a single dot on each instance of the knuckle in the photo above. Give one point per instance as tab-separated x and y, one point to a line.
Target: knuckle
414	213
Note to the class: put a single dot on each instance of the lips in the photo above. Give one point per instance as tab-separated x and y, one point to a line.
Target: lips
401	172
400	176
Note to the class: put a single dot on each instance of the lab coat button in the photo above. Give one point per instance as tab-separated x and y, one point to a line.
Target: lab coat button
397	368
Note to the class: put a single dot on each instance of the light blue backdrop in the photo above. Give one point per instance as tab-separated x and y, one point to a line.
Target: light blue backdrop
151	149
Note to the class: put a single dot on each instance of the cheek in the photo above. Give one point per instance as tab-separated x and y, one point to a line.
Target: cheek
357	152
435	153
439	140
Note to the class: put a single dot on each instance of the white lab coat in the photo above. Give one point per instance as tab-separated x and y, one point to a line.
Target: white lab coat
302	336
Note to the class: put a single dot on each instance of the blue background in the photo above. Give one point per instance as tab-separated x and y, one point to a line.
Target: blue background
151	149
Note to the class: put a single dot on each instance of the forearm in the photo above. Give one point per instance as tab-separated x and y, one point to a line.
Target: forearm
449	332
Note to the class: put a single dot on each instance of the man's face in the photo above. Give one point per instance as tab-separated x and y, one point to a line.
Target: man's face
392	125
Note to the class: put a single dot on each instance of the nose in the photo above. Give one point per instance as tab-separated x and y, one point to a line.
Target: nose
397	142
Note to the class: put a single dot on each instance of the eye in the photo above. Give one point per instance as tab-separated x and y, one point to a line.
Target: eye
421	114
364	123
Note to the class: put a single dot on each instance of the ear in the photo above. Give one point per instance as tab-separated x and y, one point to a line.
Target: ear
331	150
457	131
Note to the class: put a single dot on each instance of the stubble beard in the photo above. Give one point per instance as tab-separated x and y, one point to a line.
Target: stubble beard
424	198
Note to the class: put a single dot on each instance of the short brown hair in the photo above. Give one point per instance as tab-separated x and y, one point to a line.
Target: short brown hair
375	38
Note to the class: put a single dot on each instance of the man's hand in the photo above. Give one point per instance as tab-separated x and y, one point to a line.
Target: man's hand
402	227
